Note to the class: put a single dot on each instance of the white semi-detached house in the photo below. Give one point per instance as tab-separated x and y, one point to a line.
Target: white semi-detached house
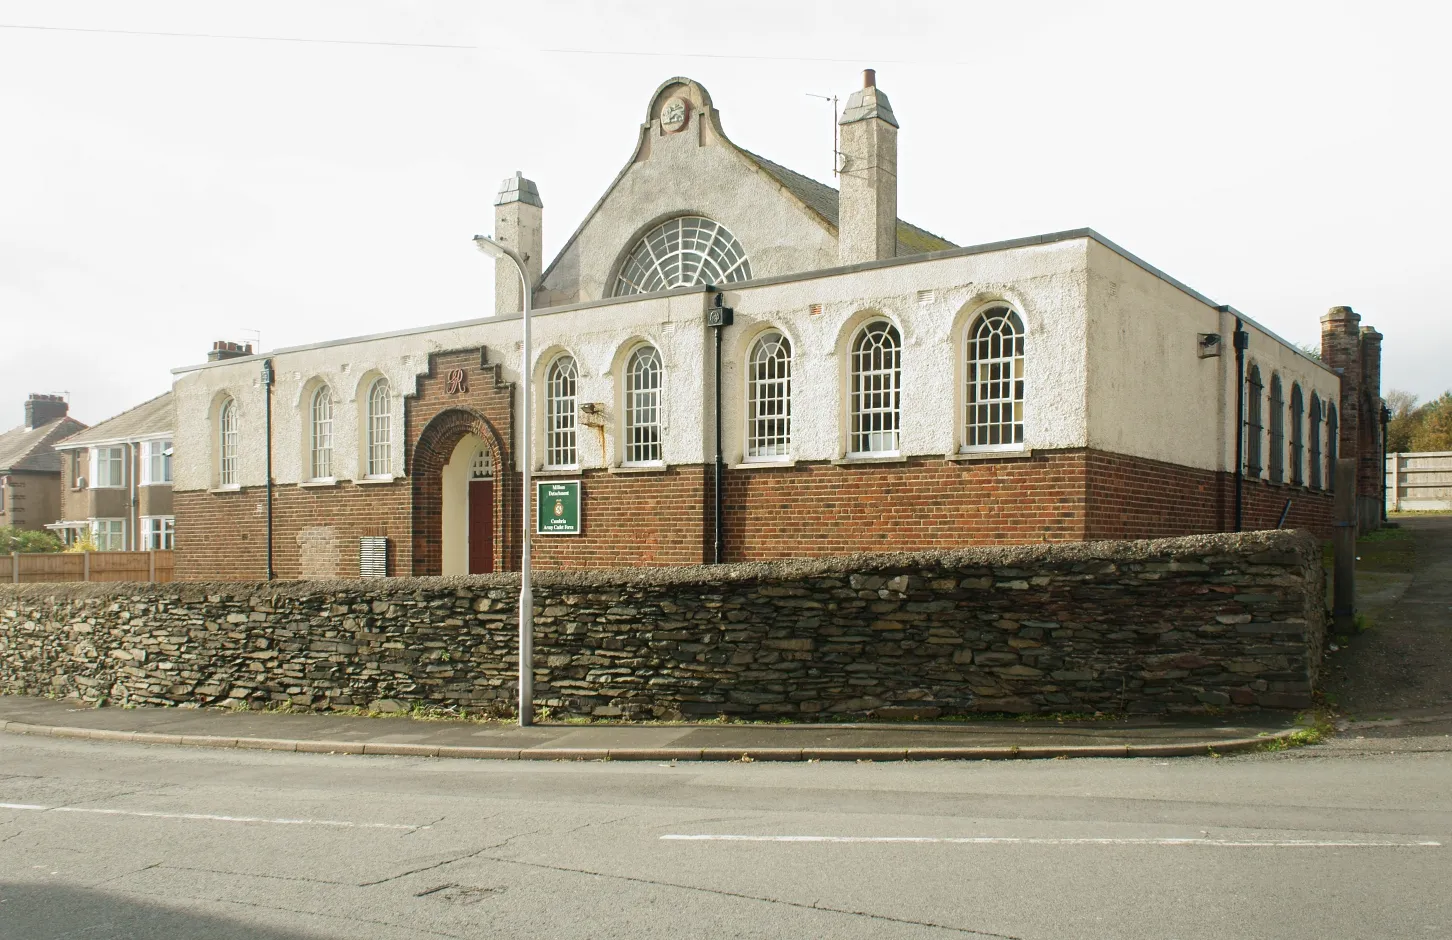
116	480
881	388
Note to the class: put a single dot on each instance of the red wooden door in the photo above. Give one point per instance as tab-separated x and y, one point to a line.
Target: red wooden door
481	526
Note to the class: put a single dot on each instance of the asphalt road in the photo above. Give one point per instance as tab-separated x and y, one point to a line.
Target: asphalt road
122	841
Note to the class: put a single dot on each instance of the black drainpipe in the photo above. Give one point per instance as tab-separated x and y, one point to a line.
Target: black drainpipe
1242	342
267	390
718	317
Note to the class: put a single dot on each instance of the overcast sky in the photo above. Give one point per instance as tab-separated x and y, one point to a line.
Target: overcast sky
161	192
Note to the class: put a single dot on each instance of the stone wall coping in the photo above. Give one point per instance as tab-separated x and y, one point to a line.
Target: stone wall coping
1298	541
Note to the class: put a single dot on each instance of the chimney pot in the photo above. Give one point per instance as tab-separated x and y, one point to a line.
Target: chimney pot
869	78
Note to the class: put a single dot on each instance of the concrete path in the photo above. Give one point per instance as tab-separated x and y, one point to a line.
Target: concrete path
499	740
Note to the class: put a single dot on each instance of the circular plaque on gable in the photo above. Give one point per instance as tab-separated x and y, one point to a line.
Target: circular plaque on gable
673	115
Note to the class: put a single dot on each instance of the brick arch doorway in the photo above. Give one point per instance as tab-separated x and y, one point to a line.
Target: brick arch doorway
460	501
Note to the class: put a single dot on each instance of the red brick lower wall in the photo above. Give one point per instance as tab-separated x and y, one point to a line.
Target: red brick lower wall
809	509
223	536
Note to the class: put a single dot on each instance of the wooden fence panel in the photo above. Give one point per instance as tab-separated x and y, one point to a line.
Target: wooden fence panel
120	566
41	568
46	568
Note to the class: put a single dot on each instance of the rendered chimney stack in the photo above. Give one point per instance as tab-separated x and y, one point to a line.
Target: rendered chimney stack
518	225
43	409
224	349
867	207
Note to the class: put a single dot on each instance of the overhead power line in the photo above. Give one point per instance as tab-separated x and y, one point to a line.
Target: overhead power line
148	32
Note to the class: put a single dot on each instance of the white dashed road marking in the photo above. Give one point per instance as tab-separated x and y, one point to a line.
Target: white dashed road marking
207	817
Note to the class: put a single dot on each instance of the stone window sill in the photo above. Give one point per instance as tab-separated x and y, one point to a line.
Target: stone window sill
234	488
368	481
317	484
1003	454
557	472
640	468
864	461
763	464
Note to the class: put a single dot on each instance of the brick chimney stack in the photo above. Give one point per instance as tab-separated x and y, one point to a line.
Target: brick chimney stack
224	349
518	225
867	207
43	409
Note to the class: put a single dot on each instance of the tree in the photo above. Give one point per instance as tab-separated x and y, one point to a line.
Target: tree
28	541
1434	429
1403	421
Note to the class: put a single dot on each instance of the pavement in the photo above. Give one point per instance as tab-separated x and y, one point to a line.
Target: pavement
405	736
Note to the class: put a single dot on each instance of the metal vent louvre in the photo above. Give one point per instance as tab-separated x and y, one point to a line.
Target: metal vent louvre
373	556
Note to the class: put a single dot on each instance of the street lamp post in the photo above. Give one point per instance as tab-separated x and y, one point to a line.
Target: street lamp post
526	596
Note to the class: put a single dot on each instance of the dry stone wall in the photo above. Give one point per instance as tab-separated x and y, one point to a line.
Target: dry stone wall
1173	625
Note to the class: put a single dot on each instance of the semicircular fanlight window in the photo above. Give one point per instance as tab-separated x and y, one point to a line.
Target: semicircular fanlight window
680	253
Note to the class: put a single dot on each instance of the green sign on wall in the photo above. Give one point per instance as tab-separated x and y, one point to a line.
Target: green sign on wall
557	507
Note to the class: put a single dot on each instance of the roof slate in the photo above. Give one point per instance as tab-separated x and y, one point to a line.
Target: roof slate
823	200
25	448
146	419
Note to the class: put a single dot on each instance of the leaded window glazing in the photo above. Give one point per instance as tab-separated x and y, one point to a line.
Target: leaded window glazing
769	397
876	388
380	428
561	382
1277	430
321	462
227	435
682	252
1315	440
1253	427
642	406
993	413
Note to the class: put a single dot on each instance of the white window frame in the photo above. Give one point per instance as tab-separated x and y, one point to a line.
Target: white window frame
679	252
320	435
155	450
858	409
113	526
166	530
379	430
768	411
975	385
101	480
228	445
633	449
561	417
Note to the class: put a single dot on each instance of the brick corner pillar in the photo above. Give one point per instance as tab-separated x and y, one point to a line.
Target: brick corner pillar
1341	349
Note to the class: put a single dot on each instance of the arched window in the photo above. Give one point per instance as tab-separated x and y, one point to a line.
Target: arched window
769	397
1298	431
1253	426
642	406
227	439
380	429
561	381
993	413
876	388
1315	439
321	438
682	252
1333	443
1277	431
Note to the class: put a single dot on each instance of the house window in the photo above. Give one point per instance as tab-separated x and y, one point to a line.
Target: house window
1253	427
109	535
109	465
769	398
642	406
994	388
681	252
380	429
561	384
321	437
1277	431
1333	431
75	469
1298	440
227	436
155	462
876	389
4	482
157	532
1315	461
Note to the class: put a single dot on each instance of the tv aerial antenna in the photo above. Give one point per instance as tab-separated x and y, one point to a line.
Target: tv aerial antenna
836	153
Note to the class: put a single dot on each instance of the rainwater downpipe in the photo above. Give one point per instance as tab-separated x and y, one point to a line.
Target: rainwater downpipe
1242	342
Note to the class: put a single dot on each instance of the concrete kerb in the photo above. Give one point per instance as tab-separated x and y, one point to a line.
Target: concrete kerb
749	754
